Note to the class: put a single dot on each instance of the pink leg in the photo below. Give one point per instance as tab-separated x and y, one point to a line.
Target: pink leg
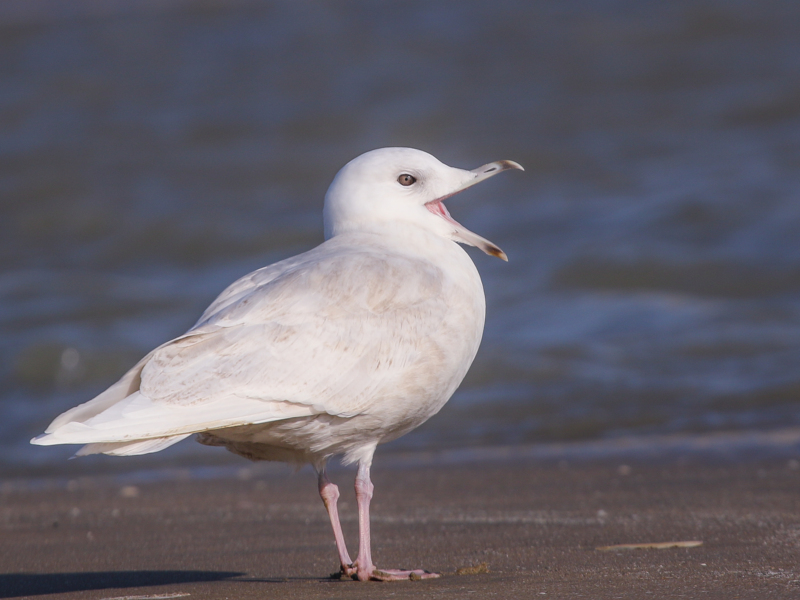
366	570
330	496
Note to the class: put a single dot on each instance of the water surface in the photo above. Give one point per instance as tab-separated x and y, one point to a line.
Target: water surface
153	152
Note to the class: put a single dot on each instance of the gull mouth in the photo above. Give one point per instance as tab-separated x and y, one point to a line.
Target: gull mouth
461	233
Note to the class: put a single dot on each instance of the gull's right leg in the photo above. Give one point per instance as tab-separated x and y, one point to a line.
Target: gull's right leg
367	570
329	492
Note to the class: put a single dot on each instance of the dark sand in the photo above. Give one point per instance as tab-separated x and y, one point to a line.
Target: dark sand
536	526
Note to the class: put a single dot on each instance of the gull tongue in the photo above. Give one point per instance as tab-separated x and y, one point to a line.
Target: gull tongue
462	234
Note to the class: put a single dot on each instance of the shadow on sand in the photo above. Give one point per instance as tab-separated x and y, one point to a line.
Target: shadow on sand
13	585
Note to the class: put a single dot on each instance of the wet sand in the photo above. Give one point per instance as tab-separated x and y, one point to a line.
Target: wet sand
536	525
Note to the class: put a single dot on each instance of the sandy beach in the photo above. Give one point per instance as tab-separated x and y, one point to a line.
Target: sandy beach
535	526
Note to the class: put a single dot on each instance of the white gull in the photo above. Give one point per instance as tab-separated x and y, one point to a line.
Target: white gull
331	352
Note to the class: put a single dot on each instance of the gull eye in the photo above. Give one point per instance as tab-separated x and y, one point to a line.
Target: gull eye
406	179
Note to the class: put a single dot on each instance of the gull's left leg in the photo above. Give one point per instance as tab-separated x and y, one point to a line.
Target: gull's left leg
329	492
366	570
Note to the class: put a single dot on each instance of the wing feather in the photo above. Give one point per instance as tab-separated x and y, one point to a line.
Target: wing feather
327	336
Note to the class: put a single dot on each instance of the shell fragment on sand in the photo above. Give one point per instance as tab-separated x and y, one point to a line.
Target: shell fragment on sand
653	545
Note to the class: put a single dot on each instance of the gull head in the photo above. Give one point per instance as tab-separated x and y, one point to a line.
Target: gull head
393	185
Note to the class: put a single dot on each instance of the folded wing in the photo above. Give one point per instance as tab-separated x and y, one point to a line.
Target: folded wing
325	334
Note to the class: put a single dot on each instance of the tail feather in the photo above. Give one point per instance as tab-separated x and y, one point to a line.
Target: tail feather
131	448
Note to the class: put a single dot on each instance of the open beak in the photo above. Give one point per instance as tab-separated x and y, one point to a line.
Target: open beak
461	233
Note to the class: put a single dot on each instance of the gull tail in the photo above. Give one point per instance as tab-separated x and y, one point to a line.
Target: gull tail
131	448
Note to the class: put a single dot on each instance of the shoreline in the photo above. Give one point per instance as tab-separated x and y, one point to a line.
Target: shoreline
720	447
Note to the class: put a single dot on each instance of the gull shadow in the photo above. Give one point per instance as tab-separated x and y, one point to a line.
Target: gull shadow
14	585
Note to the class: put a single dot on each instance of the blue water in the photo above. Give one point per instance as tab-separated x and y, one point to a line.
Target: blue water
152	152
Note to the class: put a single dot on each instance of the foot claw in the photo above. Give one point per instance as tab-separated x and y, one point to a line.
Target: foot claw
348	571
